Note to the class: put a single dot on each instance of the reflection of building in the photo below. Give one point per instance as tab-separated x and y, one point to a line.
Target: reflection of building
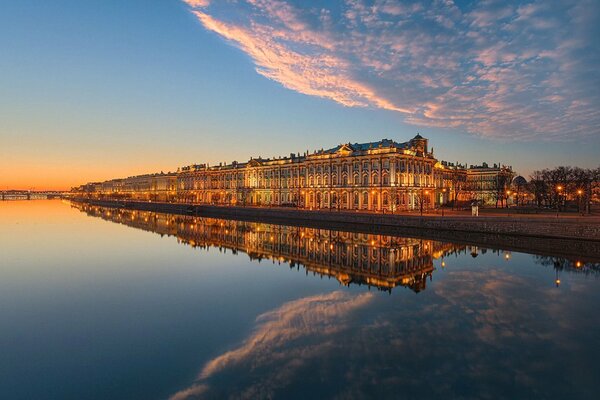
378	176
489	185
376	260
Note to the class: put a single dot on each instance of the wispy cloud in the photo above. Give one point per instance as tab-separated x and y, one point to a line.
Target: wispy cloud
495	68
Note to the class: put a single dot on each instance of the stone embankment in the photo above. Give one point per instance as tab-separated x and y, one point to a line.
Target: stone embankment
567	236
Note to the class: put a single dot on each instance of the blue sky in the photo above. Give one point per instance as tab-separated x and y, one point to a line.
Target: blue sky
98	89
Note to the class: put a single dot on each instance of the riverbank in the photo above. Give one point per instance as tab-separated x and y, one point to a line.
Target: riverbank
572	237
576	228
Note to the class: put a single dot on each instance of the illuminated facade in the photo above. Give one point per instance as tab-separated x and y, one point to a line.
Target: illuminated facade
489	185
378	176
380	261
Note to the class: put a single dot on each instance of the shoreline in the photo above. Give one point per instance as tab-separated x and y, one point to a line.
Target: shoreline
567	237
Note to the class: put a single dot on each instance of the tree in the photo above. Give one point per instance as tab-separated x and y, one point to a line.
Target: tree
557	186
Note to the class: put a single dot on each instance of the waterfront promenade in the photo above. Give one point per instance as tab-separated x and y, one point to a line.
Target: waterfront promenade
573	235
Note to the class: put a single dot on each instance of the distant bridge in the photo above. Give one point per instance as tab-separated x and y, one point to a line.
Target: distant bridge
30	195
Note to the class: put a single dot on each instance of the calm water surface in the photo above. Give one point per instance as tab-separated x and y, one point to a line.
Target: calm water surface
114	304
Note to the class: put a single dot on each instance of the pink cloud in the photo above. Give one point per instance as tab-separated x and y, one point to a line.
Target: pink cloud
437	65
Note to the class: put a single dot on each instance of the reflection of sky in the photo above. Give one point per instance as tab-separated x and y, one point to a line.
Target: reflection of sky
91	309
477	334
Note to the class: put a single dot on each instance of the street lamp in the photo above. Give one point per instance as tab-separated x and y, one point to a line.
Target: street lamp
372	198
559	190
423	200
443	199
579	193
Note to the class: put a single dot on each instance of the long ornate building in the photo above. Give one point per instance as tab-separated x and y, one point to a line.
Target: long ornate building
376	176
383	176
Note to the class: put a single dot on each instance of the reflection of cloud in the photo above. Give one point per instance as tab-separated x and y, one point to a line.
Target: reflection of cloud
474	334
491	68
282	342
481	334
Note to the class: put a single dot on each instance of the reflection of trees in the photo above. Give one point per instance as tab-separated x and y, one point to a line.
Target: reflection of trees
571	266
379	261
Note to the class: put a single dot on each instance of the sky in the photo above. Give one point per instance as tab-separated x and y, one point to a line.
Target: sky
101	89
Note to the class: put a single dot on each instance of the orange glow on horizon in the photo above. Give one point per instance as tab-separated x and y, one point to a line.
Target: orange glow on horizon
63	177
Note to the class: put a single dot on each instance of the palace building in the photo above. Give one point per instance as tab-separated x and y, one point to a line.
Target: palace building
382	176
489	185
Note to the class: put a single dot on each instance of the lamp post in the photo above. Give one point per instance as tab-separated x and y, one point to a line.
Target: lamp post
579	193
372	198
426	192
443	198
558	189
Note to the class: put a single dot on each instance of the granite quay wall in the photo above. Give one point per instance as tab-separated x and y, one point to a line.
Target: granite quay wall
546	236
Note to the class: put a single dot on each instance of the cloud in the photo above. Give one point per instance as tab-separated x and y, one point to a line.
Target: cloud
284	339
489	68
197	3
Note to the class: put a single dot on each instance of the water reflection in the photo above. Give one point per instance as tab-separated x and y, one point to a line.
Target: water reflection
379	261
484	334
140	318
284	342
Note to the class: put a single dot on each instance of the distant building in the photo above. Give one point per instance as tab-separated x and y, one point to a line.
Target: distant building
154	187
489	185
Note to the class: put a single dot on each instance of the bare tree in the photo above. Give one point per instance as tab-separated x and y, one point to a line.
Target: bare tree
558	186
